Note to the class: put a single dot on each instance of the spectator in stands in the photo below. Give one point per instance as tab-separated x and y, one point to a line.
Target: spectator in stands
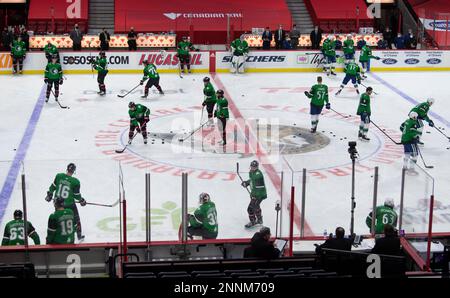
360	44
132	36
388	37
389	244
410	40
294	35
104	40
382	44
267	38
261	246
25	37
399	41
287	42
6	39
76	36
316	38
279	37
339	242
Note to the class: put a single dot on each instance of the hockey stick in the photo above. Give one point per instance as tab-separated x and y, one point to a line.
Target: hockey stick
125	147
103	205
382	130
122	96
442	133
423	160
194	131
342	115
90	56
239	175
61	106
367	87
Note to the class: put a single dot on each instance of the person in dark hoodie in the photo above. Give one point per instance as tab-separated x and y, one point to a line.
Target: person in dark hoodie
339	242
261	246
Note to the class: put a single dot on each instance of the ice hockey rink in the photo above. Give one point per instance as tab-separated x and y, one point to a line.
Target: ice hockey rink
39	139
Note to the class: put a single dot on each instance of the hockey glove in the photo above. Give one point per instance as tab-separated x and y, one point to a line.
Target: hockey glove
245	183
377	58
82	202
49	196
358	81
203	104
308	94
197	50
141	82
431	123
46	80
61	81
328	106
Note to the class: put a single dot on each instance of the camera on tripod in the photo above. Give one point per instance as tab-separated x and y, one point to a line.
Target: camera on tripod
352	150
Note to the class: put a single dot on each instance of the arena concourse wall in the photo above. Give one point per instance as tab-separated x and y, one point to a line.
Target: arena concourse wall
219	61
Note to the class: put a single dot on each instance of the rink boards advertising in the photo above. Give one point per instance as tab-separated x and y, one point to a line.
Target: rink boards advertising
204	61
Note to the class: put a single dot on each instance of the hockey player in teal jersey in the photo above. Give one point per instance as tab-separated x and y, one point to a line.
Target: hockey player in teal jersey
422	112
352	72
15	231
203	222
319	98
364	111
410	137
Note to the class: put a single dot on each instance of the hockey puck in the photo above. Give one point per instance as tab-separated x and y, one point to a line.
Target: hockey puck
341	139
76	140
428	132
242	95
448	148
295	124
68	107
294	136
16	149
345	138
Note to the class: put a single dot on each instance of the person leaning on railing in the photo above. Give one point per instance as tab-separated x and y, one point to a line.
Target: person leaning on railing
389	244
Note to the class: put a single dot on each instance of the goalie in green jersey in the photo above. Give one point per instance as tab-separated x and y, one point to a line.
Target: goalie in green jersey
239	51
258	193
15	231
385	215
319	98
203	222
61	224
18	54
53	77
101	66
150	73
67	188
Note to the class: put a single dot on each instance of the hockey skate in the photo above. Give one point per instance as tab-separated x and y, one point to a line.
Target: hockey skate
161	92
46	99
102	93
313	130
419	142
333	73
129	141
250	224
144	96
412	172
145	141
364	138
259	221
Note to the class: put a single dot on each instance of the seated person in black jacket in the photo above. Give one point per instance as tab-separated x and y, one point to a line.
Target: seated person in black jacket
261	247
338	242
389	244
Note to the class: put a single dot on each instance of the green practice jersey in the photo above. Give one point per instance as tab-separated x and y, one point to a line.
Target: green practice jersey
240	47
151	72
184	47
348	46
319	94
385	216
50	49
366	54
257	185
18	48
422	110
101	65
53	71
210	93
352	69
61	227
138	114
409	130
222	108
364	104
15	233
329	48
67	187
206	216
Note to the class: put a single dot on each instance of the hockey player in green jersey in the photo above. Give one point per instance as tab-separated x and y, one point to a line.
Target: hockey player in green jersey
422	112
364	112
239	51
385	215
258	193
329	52
15	231
139	117
349	49
183	48
50	50
61	224
101	66
319	96
210	99
364	59
352	72
150	73
204	220
18	54
67	188
410	137
222	115
53	76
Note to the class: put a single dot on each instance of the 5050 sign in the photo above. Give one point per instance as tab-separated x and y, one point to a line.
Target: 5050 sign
119	60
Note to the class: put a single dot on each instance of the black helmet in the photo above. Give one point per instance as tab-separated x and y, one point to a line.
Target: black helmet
18	214
71	168
131	105
102	54
59	202
146	62
206	79
219	92
254	164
